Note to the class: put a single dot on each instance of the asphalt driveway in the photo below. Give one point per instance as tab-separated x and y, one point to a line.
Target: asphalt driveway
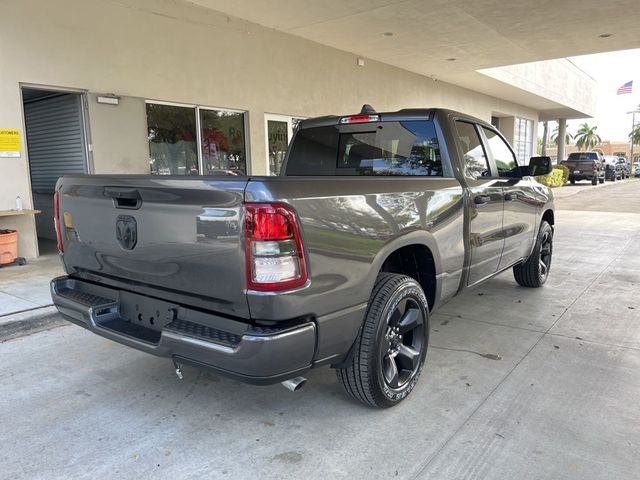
519	383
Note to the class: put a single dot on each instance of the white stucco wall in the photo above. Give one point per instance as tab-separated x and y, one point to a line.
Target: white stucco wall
175	51
558	80
119	135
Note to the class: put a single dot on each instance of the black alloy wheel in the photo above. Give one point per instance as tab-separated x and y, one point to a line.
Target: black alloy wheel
402	344
544	258
387	357
534	272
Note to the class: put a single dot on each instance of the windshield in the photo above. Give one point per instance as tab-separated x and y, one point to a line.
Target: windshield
376	148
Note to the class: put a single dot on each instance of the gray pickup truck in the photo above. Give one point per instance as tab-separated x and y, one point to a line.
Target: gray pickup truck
376	220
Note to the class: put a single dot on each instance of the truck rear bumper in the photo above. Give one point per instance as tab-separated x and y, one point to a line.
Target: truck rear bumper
251	354
582	176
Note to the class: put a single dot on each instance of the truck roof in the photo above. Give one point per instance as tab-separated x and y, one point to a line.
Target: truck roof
404	114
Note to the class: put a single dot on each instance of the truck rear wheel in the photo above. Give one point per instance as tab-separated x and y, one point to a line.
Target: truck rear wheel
535	270
391	345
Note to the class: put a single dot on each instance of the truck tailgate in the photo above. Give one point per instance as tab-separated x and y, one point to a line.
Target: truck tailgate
177	237
576	166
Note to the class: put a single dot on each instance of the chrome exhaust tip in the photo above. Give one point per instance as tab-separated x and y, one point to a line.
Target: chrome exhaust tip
294	384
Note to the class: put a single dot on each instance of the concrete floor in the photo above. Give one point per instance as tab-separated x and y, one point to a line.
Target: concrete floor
562	403
26	287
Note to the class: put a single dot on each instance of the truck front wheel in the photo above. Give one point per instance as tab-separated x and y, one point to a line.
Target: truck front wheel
391	346
535	270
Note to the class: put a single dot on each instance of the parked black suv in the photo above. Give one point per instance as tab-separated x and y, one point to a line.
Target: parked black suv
585	166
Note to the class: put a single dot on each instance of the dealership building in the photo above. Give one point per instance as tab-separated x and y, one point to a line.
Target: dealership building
211	86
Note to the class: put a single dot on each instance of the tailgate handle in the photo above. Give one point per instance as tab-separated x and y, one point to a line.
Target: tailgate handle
129	198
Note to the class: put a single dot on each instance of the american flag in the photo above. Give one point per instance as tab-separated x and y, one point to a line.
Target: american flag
626	88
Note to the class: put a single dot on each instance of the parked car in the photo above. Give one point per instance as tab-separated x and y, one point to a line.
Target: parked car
376	220
585	166
613	168
637	169
626	169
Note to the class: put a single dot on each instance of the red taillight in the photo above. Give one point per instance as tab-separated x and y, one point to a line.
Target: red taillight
273	248
56	220
360	119
268	225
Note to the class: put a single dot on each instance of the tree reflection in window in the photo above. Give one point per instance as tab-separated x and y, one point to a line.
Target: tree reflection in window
393	148
172	139
475	160
223	142
502	154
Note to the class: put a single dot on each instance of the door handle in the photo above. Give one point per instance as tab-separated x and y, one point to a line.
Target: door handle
481	199
508	197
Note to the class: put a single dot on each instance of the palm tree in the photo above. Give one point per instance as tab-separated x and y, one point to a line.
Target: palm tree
635	135
542	143
567	138
586	137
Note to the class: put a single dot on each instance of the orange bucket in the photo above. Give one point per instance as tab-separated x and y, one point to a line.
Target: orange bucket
8	246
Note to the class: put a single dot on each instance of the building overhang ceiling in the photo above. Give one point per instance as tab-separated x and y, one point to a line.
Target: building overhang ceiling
451	40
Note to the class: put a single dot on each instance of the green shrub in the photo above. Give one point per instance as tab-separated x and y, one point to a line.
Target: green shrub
565	172
557	178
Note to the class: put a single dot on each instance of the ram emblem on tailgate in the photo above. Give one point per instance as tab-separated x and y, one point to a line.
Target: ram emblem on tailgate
126	231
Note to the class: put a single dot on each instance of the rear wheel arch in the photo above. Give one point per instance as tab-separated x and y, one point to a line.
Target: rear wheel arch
549	217
389	260
415	261
419	242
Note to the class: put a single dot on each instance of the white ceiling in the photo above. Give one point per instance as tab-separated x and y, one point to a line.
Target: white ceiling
478	33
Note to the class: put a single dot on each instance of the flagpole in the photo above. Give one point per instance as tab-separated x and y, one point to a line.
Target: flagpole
633	127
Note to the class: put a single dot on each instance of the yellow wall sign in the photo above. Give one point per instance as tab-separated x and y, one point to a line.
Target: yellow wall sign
9	142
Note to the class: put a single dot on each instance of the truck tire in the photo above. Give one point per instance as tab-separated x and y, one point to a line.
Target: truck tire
535	270
601	180
391	346
573	181
594	181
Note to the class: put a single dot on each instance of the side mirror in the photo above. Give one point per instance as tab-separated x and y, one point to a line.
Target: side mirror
540	166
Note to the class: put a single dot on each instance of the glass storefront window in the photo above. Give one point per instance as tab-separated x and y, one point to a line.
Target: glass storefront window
172	139
223	142
280	130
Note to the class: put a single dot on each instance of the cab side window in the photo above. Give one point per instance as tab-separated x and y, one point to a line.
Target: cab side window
502	154
475	159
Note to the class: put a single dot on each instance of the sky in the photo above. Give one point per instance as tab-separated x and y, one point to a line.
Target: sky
611	71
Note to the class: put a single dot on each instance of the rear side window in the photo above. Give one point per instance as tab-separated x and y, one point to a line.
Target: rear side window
381	148
475	160
502	154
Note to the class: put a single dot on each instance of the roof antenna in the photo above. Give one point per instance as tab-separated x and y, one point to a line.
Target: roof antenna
367	110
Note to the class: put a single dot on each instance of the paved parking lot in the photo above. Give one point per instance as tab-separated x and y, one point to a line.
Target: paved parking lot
519	383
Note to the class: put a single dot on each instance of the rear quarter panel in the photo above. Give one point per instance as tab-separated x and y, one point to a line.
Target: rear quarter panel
350	225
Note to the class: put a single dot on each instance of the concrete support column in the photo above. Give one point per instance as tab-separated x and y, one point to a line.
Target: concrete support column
562	134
